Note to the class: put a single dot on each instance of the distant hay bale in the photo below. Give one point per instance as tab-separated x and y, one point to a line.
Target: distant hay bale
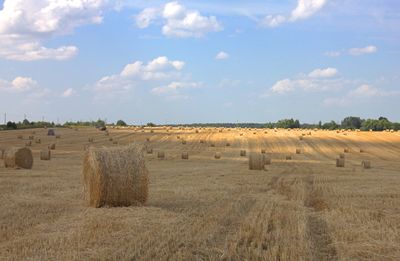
115	142
263	151
38	140
220	130
241	134
185	155
212	145
148	139
149	150
228	144
201	141
183	142
300	137
90	139
152	131
50	132
58	136
197	131
178	137
45	154
28	143
366	164
288	157
31	137
161	155
217	155
115	176
265	132
52	146
341	156
254	133
20	137
362	151
257	161
243	153
33	132
298	151
340	163
18	158
346	150
110	139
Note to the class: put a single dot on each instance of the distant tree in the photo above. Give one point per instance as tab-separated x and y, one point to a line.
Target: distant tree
378	125
288	124
330	126
150	124
100	123
351	123
11	125
121	123
320	124
25	122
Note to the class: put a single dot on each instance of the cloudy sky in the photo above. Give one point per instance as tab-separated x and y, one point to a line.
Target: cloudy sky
199	61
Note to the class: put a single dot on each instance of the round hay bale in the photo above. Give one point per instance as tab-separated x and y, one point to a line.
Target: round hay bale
241	134
38	140
18	158
178	137
366	164
298	151
201	141
110	139
346	150
197	131
341	156
161	155
185	155
58	136
257	161
20	137
183	142
115	176
45	154
228	144
115	142
263	151
31	137
50	132
340	163
91	140
212	145
288	157
52	146
300	137
362	151
149	150
243	153
217	155
28	143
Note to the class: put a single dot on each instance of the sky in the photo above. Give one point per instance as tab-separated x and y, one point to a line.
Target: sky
199	61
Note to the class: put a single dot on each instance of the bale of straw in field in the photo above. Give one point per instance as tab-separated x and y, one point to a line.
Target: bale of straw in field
217	155
341	156
362	151
197	131
340	163
241	134
183	142
90	139
58	136
45	154
298	151
366	164
243	153
185	155
18	158
257	161
50	132
115	176
52	146
31	137
228	144
201	141
20	137
152	131
178	137
148	139
212	145
38	140
110	139
300	137
33	132
149	150
288	157
263	151
346	150
115	142
28	143
161	155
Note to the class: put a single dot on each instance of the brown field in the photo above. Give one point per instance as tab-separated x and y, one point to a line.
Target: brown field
210	209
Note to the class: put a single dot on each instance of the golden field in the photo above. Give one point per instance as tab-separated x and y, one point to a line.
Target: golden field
205	208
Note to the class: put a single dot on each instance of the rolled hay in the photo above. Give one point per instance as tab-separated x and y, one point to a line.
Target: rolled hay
257	161
45	154
90	139
362	151
20	137
255	133
341	156
183	142
263	151
201	141
178	137
228	144
31	137
110	139
149	150
148	139
300	137
241	134
152	131
115	142
340	163
18	158
217	155
185	155
243	153
52	146
115	176
161	155
298	151
50	132
38	140
346	150
366	164
212	145
288	157
58	136
28	143
197	131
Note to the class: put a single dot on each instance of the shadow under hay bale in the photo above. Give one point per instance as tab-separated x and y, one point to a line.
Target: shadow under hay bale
18	158
366	164
362	151
115	176
185	155
161	155
243	153
45	154
340	163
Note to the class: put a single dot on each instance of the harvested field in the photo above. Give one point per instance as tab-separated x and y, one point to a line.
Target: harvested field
206	209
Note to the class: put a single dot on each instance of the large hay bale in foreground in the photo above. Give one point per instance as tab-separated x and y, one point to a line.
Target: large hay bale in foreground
340	163
257	161
115	176
18	158
45	154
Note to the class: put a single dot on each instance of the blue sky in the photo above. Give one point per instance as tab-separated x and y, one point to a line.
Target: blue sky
199	61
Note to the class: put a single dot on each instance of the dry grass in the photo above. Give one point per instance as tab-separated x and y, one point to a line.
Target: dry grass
206	209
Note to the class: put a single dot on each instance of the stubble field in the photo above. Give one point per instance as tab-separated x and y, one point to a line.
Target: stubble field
210	209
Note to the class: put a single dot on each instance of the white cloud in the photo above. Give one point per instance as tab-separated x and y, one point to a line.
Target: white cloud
306	8
19	84
303	10
25	25
222	56
283	86
333	53
365	50
174	87
323	73
68	93
178	21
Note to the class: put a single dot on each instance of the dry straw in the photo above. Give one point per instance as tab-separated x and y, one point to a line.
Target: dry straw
340	163
115	176
18	158
185	155
45	154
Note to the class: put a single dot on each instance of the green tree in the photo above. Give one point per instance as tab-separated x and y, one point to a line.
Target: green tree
121	123
351	123
11	125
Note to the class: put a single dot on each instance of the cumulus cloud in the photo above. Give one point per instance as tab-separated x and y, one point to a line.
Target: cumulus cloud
303	10
68	93
178	21
364	50
283	86
25	25
222	56
323	73
174	87
19	84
